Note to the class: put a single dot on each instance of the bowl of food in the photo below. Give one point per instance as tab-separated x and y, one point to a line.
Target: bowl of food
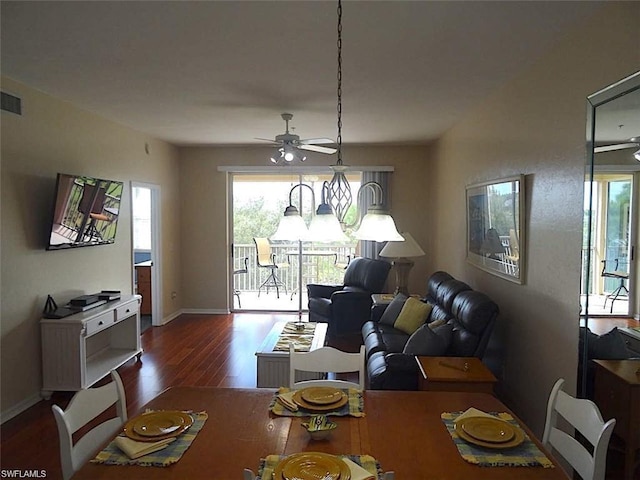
319	427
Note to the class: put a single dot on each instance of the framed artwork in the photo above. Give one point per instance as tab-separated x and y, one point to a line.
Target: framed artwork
495	227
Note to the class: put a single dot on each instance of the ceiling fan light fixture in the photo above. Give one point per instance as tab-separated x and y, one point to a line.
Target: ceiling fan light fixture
636	155
277	156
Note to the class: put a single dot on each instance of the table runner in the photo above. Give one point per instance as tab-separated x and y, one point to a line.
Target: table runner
354	407
301	339
527	454
112	455
268	464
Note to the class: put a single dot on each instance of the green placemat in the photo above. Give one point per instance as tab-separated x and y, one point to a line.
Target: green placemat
527	454
112	455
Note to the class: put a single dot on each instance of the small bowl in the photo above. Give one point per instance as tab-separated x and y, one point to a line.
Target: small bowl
319	427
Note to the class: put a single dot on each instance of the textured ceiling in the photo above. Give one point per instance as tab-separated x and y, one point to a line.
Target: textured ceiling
221	73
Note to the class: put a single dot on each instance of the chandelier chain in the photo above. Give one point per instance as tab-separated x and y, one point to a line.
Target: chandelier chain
339	107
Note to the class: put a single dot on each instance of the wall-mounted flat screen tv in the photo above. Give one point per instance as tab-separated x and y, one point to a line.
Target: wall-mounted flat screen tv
86	211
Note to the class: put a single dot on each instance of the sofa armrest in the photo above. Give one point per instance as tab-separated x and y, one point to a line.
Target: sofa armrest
393	371
377	311
350	311
323	291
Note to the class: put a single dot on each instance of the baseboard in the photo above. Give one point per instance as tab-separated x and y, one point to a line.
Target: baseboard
204	311
19	408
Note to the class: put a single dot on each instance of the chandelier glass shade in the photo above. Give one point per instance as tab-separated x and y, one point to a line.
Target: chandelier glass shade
324	226
377	225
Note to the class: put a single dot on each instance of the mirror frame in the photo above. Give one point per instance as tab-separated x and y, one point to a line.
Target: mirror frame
616	90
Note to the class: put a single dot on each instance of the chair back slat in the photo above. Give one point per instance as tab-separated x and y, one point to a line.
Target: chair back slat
584	416
85	406
327	360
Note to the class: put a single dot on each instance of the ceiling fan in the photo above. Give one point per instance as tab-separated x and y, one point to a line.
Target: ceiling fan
633	142
289	144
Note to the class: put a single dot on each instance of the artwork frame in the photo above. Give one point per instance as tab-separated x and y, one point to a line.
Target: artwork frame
496	227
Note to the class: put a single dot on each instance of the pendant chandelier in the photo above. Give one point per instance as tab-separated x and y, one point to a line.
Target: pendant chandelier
339	191
377	225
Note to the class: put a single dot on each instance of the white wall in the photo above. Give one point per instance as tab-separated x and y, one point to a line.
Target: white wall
50	137
536	125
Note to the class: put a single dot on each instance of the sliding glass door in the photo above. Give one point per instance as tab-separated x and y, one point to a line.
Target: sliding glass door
259	201
614	221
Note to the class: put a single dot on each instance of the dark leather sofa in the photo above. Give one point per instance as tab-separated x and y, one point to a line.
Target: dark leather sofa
346	307
471	315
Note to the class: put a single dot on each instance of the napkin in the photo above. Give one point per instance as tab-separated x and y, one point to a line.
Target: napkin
286	399
472	412
135	449
357	472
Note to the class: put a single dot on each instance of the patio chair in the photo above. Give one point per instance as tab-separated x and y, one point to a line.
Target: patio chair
240	271
621	290
266	259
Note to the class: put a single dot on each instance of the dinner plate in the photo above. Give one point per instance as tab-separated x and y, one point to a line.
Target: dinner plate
312	466
154	426
488	429
518	437
297	397
321	395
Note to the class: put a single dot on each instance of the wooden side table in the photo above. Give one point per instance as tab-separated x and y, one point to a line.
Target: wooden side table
449	374
617	394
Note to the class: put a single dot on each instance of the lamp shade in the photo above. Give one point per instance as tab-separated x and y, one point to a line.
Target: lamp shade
291	226
377	225
408	248
325	226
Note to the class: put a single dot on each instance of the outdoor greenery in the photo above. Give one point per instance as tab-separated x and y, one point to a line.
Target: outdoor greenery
253	219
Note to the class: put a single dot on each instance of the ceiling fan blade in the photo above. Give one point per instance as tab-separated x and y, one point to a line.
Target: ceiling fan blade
616	146
270	140
318	148
316	141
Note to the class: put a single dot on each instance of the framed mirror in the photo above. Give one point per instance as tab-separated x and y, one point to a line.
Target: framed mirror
495	227
610	219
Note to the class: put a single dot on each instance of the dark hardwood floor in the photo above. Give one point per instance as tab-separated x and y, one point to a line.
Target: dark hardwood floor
207	350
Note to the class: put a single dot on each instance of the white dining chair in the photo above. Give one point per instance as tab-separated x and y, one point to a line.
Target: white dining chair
326	360
85	406
585	417
248	474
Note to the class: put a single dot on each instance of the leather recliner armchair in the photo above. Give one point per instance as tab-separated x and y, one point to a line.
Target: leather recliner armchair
347	307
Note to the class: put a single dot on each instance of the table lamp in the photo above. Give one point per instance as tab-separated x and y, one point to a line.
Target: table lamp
400	251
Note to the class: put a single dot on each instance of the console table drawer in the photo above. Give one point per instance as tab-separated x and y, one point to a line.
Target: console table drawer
125	311
100	322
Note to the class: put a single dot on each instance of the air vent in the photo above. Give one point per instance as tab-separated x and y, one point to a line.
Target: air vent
11	103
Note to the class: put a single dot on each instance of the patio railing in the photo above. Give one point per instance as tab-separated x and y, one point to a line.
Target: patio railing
315	268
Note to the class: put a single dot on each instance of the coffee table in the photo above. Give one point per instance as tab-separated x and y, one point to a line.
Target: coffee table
273	366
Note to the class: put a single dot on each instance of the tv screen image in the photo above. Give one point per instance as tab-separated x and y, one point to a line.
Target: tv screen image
85	211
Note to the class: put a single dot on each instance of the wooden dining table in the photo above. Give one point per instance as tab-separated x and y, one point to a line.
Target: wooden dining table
402	430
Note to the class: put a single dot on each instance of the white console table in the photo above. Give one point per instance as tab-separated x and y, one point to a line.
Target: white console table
82	348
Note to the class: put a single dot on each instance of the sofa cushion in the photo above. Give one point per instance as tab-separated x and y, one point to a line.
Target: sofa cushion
429	341
321	306
393	310
414	313
609	346
391	341
367	274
